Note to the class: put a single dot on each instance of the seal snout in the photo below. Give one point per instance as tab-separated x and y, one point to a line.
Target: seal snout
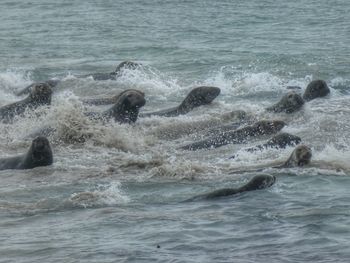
138	102
271	180
40	143
305	158
40	151
303	155
268	181
141	102
136	99
212	93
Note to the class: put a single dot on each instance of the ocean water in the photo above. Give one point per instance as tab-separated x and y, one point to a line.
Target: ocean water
118	196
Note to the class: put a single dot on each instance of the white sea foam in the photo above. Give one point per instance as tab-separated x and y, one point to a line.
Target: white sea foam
104	195
10	82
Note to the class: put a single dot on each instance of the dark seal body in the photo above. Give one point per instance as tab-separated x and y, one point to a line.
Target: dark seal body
316	89
279	141
109	100
125	110
39	154
238	136
258	182
289	103
40	95
197	97
113	75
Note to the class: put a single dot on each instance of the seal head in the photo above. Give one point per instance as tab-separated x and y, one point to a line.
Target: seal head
300	157
41	93
199	96
39	154
126	65
316	89
127	107
259	182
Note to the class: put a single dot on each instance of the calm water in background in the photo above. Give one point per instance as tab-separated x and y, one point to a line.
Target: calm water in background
118	196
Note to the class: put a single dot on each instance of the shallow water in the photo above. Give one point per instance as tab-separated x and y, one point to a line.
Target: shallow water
118	196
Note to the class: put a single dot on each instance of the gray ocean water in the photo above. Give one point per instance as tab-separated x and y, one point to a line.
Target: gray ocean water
118	196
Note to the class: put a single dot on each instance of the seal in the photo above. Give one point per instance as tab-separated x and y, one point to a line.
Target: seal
39	154
279	141
52	83
316	89
300	157
125	110
289	103
241	135
116	73
198	96
107	101
40	95
178	129
258	182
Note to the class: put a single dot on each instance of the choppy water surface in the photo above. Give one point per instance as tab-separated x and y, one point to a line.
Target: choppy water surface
118	196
